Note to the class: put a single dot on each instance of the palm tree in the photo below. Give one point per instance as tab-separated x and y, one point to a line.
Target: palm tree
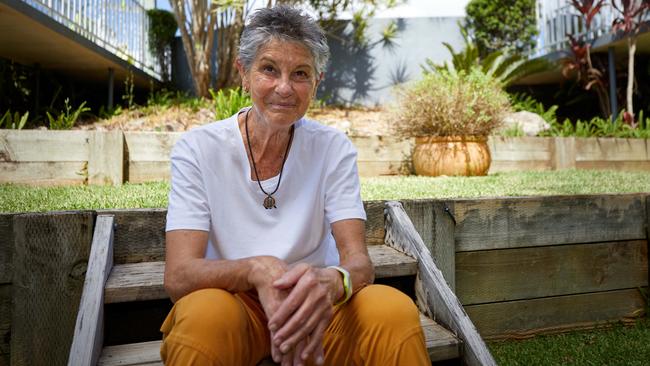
504	66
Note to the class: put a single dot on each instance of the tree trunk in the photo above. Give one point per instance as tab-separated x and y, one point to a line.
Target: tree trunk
229	28
601	92
631	42
198	37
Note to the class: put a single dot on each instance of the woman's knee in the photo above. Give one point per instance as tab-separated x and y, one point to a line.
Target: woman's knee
207	311
387	307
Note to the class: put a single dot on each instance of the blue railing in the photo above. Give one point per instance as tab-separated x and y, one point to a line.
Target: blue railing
558	18
119	26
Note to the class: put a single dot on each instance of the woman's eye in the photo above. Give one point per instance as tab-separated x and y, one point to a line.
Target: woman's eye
302	74
268	69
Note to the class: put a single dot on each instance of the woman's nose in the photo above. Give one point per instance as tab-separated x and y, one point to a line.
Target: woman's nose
284	88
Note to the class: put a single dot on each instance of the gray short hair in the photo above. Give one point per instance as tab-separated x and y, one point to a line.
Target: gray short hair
285	23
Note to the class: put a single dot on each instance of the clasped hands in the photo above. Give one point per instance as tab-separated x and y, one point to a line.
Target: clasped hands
298	302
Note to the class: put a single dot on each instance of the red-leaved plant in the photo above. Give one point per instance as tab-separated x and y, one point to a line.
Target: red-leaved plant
590	77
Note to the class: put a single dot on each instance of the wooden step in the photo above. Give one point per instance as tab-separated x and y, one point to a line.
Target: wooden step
144	281
441	344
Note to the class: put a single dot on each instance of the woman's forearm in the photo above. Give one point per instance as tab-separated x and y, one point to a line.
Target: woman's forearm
193	274
362	272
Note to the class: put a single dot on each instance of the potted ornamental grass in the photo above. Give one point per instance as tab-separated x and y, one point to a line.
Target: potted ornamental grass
450	115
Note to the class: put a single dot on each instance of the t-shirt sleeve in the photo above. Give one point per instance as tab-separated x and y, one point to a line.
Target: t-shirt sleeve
188	204
342	188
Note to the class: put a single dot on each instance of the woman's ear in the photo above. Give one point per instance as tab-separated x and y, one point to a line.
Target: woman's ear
242	74
318	80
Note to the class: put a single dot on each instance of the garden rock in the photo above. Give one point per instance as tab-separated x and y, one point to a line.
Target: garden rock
530	123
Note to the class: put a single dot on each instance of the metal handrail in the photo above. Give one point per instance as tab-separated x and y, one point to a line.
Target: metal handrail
119	26
557	18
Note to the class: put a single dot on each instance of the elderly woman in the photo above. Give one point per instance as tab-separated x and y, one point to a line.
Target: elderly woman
265	229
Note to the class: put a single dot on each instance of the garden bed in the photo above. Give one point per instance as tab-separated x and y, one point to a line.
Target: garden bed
114	157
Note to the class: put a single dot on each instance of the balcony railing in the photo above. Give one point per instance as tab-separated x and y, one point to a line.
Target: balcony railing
557	18
119	26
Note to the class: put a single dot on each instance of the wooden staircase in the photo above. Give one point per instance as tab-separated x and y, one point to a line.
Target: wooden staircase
136	282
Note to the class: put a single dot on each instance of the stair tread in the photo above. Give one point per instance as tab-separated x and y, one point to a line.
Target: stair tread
441	344
144	281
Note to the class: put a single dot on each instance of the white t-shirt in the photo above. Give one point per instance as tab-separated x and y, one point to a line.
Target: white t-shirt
212	190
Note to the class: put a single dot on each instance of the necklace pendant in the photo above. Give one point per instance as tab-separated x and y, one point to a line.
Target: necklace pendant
269	202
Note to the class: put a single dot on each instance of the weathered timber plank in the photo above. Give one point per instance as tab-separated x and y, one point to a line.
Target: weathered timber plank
434	295
525	273
50	259
436	228
150	146
375	222
564	153
149	171
5	322
441	344
615	165
503	166
520	148
512	222
43	146
89	329
444	243
43	173
382	148
139	235
135	282
381	168
6	247
420	212
146	353
525	318
144	281
611	149
389	262
106	158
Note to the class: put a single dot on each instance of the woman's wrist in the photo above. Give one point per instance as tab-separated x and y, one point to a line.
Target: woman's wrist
338	292
334	283
263	270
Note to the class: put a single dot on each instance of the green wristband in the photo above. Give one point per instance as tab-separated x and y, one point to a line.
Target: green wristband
347	284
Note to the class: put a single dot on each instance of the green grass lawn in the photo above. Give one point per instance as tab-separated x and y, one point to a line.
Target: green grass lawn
615	346
619	345
15	198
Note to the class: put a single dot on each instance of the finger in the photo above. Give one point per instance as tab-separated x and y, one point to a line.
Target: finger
319	355
275	353
298	328
292	276
287	359
297	352
315	345
302	322
297	297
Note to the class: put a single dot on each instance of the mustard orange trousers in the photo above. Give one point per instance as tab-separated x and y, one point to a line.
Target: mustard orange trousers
378	326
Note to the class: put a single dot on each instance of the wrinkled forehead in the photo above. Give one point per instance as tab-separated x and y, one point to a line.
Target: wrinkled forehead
282	50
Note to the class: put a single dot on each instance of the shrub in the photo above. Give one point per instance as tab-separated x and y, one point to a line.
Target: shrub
227	103
13	122
600	127
67	118
450	104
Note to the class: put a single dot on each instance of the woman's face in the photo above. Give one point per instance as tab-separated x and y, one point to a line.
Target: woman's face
282	81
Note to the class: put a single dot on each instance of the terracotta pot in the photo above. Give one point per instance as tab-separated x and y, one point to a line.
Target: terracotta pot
451	155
